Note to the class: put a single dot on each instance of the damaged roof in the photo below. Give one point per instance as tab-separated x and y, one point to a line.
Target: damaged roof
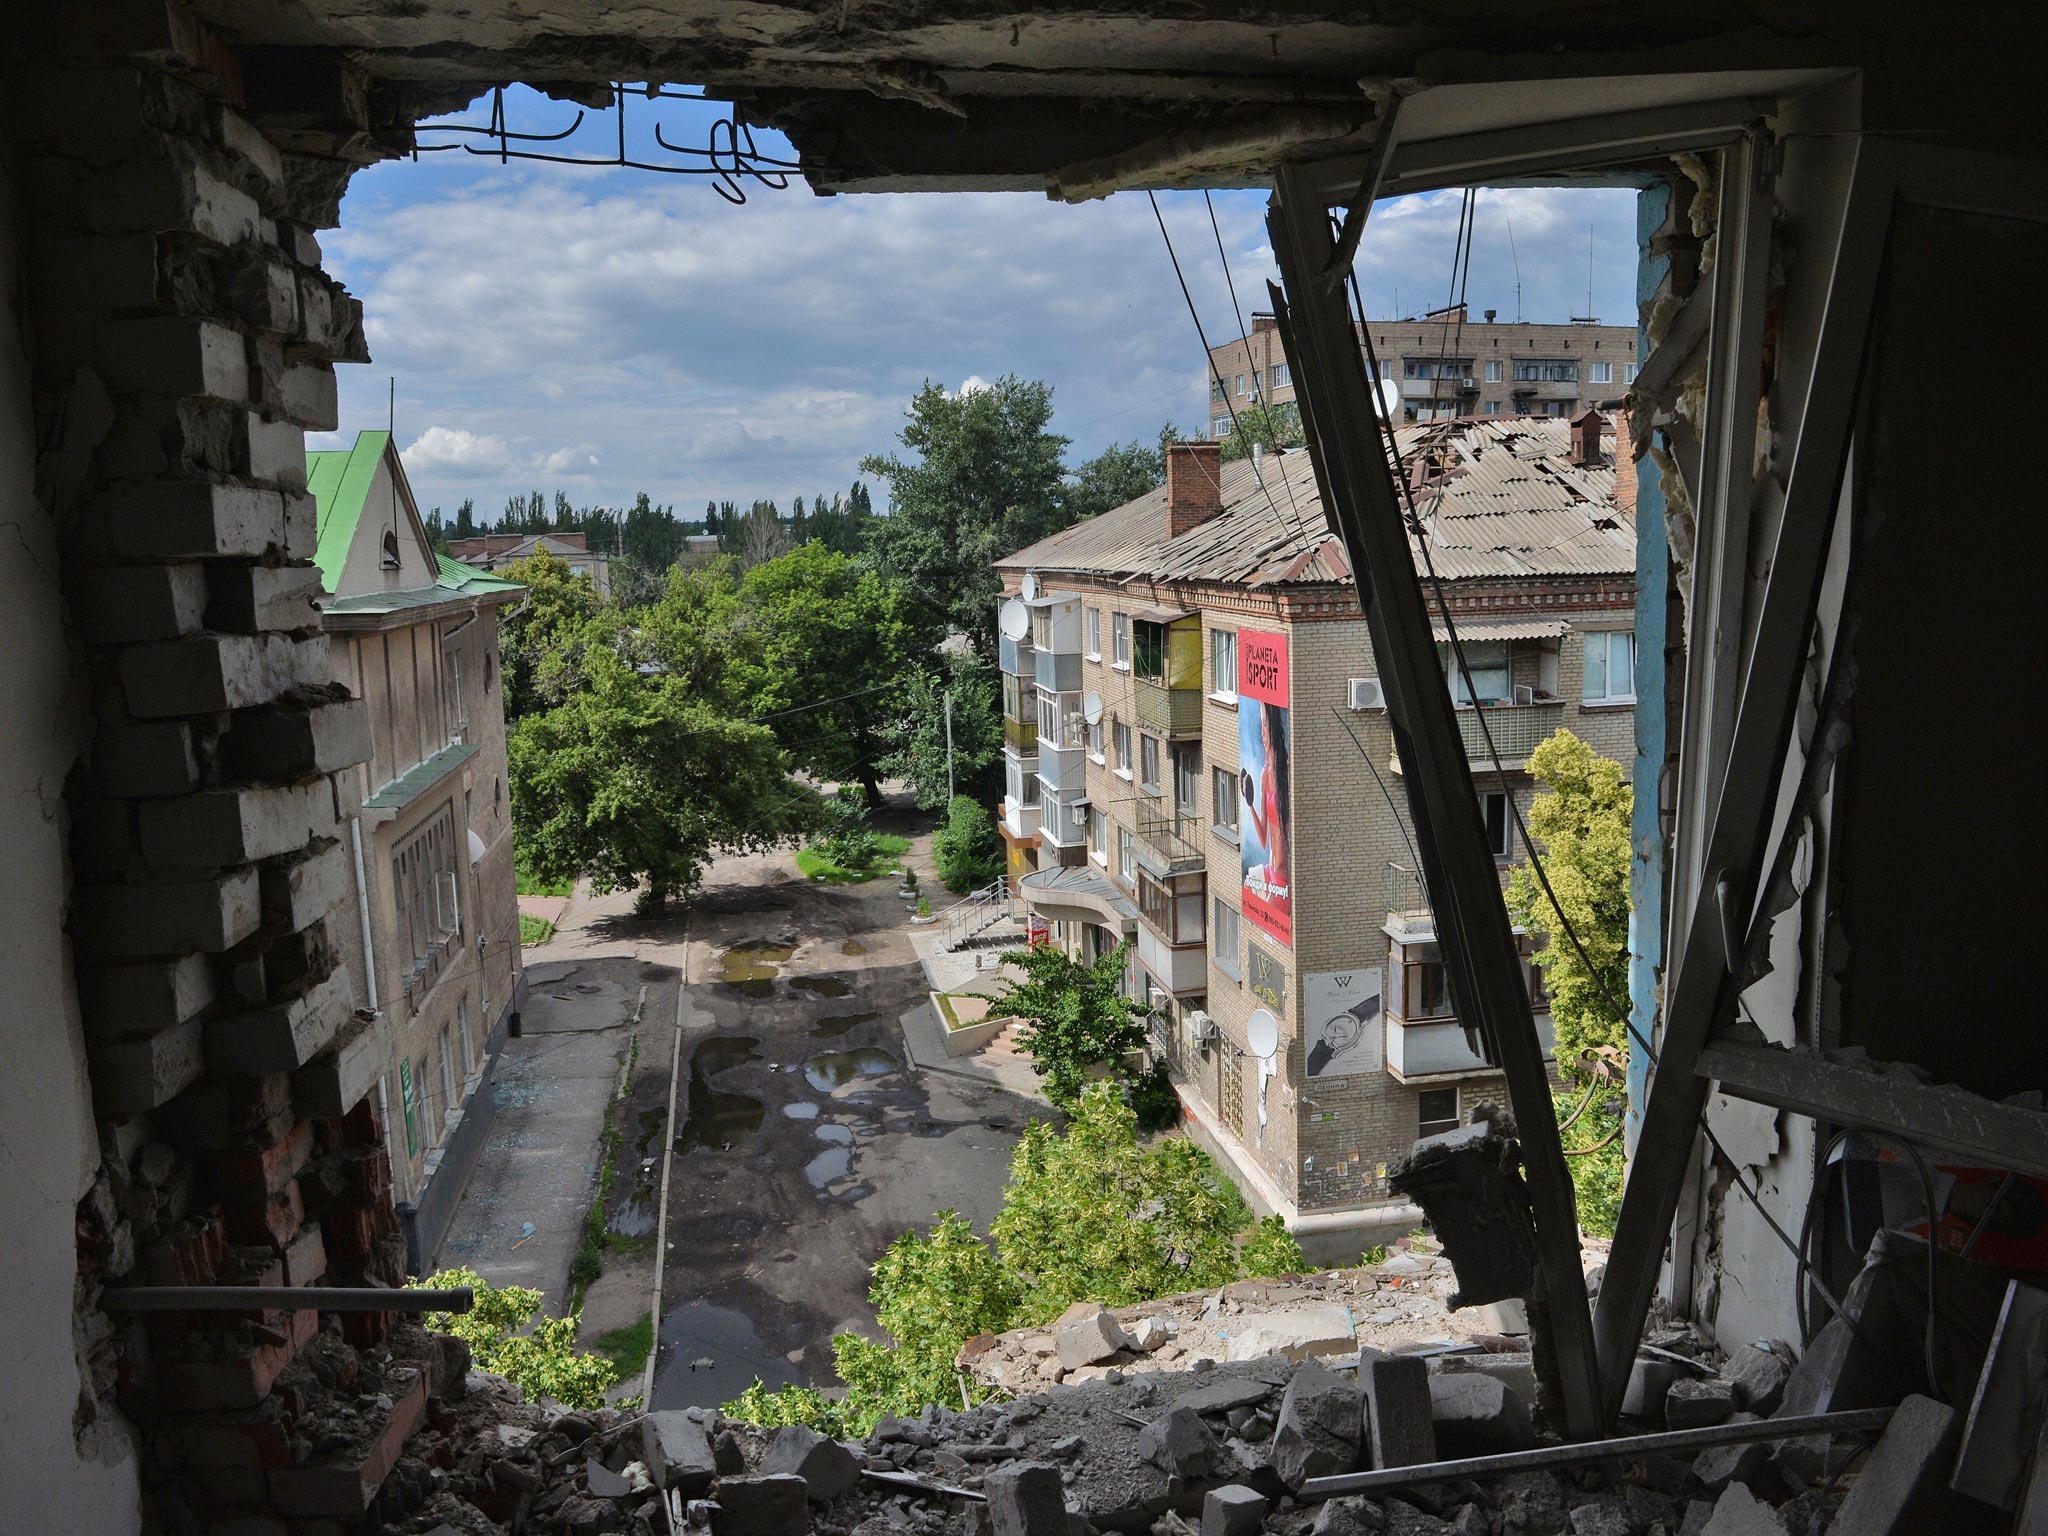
1503	500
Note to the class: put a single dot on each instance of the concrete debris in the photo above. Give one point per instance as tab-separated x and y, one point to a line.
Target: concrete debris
761	1506
1648	1381
1478	1416
1320	1429
1697	1401
1026	1499
1398	1416
1233	1510
1179	1444
1088	1335
1759	1372
1738	1512
1904	1486
827	1467
1299	1335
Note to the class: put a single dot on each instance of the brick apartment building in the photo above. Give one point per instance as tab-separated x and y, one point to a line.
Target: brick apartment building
1198	761
1448	366
432	942
489	551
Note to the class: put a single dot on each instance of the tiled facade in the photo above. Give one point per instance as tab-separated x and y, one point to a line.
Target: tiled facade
1323	1143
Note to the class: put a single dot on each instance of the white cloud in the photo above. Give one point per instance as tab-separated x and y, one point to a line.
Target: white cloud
456	449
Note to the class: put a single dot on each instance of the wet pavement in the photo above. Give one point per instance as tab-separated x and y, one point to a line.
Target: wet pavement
807	1142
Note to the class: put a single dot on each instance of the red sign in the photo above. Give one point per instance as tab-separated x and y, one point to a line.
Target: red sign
1264	788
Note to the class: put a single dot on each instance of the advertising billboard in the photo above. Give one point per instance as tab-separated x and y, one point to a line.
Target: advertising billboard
1341	1015
1265	794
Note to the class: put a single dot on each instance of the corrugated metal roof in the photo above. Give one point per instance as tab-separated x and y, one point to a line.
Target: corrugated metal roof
1505	629
1508	502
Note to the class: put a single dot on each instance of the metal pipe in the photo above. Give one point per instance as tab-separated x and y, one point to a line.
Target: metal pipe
258	1298
1797	1427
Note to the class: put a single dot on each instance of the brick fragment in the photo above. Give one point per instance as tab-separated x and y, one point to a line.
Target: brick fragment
193	519
174	355
290	743
209	915
122	604
285	1035
120	999
140	1072
251	598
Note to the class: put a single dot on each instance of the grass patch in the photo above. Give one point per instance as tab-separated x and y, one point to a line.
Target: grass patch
815	864
588	1263
953	1020
530	884
534	930
628	1347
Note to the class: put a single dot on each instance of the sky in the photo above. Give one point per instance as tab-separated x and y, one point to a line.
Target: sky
604	331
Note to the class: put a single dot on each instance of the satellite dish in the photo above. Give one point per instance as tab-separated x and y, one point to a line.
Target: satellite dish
1091	708
1029	587
1262	1033
1015	619
1389	403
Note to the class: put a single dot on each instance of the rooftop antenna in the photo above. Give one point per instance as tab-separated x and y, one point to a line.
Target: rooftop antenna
1516	258
391	441
1589	268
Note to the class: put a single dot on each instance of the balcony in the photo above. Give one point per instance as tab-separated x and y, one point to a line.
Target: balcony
1016	657
1438	1048
1019	818
1020	737
1167	844
1175	713
1058	671
1545	389
1407	902
1179	968
1063	816
1062	770
1517	730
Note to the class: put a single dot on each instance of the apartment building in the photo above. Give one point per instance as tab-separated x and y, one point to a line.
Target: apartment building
489	551
433	943
1199	761
1447	365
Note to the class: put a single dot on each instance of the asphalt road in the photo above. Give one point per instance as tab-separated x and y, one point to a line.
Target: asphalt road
806	1142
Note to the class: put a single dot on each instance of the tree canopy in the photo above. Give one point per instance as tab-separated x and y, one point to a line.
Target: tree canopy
920	755
1076	1017
544	641
1121	472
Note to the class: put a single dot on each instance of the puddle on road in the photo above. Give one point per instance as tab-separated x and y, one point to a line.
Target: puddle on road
801	1111
710	1355
824	986
831	1164
716	1120
853	947
840	1135
633	1211
752	966
835	1069
833	1025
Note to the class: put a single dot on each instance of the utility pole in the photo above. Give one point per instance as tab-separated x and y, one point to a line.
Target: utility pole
949	746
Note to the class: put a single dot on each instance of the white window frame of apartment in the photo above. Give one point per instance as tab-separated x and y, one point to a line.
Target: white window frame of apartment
1187	781
1120	641
1496	370
1499	820
1120	737
1454	675
458	723
1092	622
1282	377
1442	1125
1096	736
1126	857
1148	764
1220	427
1628	373
1098	836
1226	954
1222	796
1493	407
1601	643
468	1045
1222	674
1600	372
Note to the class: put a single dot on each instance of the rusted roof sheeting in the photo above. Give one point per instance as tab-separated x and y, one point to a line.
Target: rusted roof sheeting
1510	503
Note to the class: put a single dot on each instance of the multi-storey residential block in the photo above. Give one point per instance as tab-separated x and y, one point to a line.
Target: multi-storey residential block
1197	741
433	943
1447	365
488	551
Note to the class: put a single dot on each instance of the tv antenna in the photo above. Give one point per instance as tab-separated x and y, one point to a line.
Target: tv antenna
1515	257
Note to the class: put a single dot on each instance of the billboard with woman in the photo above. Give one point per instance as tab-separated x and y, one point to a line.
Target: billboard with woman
1265	825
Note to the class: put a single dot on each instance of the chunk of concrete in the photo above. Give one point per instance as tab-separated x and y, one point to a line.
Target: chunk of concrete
1748	1463
1234	1510
827	1467
1648	1381
1179	1444
1694	1402
1222	1396
1600	1520
1759	1376
1321	1428
1305	1334
1026	1498
1398	1417
1904	1486
1150	1333
677	1452
1348	1517
761	1506
1089	1336
1738	1512
1992	1461
1478	1416
1517	1372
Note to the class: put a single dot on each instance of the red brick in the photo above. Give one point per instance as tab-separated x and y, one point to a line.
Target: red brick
305	1257
251	1175
357	1231
275	1221
342	1490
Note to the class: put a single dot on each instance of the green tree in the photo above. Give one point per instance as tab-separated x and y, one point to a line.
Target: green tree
966	849
541	1359
1271	426
543	643
698	633
1076	1017
920	755
465	520
1120	473
834	640
634	782
981	476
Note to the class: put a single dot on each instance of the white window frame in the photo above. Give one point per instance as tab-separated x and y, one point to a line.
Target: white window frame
1126	858
1120	641
1496	370
1457	1112
1092	622
1148	764
1282	377
1098	836
1226	935
1222	795
1602	372
1604	640
1222	678
1120	737
1095	740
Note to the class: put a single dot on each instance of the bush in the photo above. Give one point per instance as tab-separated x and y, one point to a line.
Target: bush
540	1361
1153	1100
966	849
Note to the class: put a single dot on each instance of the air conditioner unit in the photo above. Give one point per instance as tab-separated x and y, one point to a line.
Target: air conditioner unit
1366	693
1203	1029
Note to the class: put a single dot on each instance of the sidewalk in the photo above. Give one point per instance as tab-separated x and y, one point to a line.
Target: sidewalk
999	1064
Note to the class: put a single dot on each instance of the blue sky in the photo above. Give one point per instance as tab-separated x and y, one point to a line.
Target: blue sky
610	331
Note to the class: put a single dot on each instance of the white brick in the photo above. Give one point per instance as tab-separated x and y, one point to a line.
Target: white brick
143	758
274	451
140	602
249	598
143	1072
208	916
339	1079
241	137
284	1036
232	826
194	519
207	673
299	891
174	355
306	393
135	999
291	743
168	189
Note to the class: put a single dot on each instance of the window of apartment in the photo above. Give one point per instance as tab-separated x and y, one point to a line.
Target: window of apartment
1602	373
458	711
1174	907
1281	376
1628	373
1223	663
462	1033
1120	637
447	1081
1487	661
423	887
1493	407
1041	628
1436	367
1148	649
1493	370
1225	946
1220	427
1048	721
1014	707
1148	764
1425	983
1187	782
1223	799
1546	370
1238	386
1215	388
1610	667
1027	791
1120	734
1093	617
1095	741
1436	1111
1098	833
1500	826
1125	859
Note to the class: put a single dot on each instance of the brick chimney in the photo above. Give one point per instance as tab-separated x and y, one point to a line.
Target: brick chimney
1586	440
1624	465
1262	320
1194	485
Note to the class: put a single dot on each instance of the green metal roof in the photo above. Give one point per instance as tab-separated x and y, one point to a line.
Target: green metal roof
467	578
416	781
340	480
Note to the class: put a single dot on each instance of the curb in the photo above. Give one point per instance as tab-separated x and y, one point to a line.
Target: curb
668	1157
